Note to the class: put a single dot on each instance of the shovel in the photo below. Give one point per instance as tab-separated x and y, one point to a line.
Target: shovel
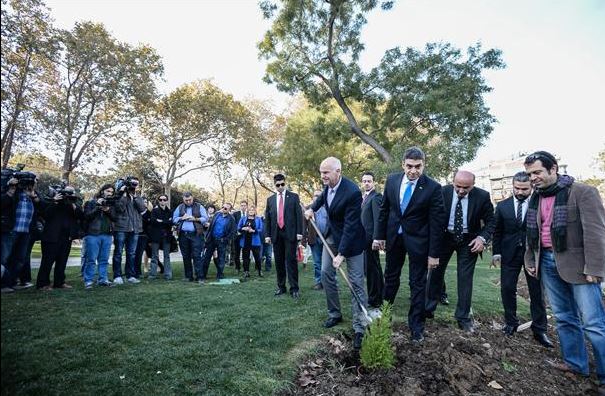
364	311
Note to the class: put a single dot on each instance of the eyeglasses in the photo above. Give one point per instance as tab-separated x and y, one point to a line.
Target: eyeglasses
225	208
280	184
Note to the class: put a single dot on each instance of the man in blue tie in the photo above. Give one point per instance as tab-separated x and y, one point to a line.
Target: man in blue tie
410	223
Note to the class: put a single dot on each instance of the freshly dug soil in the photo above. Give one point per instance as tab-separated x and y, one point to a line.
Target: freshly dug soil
449	362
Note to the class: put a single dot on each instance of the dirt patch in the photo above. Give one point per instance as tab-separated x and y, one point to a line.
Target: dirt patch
448	363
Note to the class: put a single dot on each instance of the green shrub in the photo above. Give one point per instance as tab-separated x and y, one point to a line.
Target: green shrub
377	347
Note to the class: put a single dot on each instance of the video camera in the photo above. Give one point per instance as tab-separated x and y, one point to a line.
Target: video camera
108	202
60	188
26	179
130	182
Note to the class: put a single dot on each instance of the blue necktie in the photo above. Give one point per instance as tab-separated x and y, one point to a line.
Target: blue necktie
407	196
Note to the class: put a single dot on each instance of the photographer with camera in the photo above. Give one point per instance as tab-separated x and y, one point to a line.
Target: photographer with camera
189	217
98	235
19	200
62	215
127	224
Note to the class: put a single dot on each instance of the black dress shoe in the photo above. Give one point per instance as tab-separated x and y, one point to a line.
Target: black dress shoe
444	301
295	295
417	338
279	292
509	330
357	339
542	338
429	315
331	322
466	327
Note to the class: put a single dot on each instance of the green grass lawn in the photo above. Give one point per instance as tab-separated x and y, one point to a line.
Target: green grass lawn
177	337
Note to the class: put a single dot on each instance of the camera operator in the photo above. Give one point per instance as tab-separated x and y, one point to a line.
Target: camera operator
127	224
62	215
98	236
19	202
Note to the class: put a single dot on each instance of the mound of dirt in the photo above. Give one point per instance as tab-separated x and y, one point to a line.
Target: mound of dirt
449	362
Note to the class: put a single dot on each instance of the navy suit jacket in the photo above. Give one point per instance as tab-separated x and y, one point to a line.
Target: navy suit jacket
507	232
422	221
480	214
344	218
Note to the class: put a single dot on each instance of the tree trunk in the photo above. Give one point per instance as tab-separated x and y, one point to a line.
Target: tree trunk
168	191
255	190
7	148
66	174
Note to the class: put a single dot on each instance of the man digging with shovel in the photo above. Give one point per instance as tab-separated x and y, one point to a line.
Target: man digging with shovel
345	238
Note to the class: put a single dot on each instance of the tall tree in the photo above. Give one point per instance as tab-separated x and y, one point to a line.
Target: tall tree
193	128
28	46
104	85
433	98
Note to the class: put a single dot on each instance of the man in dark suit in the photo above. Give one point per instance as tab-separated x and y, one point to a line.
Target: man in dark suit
370	209
509	249
235	247
346	238
410	222
284	228
467	232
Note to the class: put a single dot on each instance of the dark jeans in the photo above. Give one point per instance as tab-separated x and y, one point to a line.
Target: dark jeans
375	280
267	255
285	262
129	241
25	275
142	246
220	245
55	253
14	251
509	276
465	272
246	257
191	245
417	281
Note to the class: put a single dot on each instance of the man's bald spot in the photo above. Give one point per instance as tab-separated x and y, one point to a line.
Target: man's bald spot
332	163
465	177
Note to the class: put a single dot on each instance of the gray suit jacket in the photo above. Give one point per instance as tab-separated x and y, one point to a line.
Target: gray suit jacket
585	254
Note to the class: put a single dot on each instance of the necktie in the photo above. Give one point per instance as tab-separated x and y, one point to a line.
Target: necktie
330	196
365	196
458	223
280	211
520	221
407	195
520	213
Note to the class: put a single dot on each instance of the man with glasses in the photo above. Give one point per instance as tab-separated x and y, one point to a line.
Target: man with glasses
220	233
284	228
189	217
566	250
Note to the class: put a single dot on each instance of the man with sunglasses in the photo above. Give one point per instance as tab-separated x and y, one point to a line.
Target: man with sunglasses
220	233
284	228
566	249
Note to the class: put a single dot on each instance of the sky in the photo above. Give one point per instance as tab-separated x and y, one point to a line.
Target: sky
549	97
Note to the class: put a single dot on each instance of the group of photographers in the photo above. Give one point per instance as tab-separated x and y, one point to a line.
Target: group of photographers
115	215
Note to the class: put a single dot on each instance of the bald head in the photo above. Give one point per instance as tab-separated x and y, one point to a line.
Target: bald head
330	171
464	181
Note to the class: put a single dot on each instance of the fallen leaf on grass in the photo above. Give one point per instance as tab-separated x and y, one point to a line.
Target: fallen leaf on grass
122	377
159	372
495	385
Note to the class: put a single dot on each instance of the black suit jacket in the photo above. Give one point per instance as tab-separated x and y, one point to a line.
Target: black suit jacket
507	232
480	214
61	221
293	219
344	217
370	210
422	221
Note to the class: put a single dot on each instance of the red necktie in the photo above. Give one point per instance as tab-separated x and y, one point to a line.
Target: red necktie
280	211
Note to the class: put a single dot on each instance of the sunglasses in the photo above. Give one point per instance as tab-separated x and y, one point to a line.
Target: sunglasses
280	184
162	199
225	208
